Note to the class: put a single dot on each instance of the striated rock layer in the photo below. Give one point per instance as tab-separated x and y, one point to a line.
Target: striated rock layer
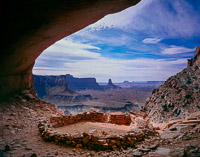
178	96
29	27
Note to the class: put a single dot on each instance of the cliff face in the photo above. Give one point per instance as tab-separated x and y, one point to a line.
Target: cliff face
51	85
178	96
61	89
55	89
82	83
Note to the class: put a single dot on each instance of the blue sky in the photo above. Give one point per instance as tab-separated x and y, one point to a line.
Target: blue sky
146	42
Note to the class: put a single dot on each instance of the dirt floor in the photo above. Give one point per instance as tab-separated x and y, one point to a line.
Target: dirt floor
19	135
95	128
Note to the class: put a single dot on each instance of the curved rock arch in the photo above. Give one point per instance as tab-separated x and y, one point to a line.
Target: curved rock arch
29	27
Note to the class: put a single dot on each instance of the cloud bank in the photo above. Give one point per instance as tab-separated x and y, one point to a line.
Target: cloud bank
67	56
149	41
173	50
157	18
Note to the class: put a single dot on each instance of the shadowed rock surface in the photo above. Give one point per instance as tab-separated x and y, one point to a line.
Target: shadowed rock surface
29	27
54	89
82	83
48	85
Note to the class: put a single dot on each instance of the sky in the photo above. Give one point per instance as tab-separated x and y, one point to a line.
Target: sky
150	41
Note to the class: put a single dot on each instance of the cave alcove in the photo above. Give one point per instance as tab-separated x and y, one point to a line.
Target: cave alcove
29	27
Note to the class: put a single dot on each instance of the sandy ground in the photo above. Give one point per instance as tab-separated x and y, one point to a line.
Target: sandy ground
18	132
94	128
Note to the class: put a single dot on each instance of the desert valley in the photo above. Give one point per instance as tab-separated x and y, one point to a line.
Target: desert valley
75	95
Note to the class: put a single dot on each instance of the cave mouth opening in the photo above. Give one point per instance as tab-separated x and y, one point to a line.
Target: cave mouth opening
120	46
93	87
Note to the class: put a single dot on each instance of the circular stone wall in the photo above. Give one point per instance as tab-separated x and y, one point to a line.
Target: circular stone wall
89	140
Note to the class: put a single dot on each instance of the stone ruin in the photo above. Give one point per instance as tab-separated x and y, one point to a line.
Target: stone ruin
88	140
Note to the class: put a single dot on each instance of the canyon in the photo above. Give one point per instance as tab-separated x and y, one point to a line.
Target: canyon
75	95
166	134
45	85
169	133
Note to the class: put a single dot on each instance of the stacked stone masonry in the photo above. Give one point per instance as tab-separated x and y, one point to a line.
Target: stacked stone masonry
120	119
87	140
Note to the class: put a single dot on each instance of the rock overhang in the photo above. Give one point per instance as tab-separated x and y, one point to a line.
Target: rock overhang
29	27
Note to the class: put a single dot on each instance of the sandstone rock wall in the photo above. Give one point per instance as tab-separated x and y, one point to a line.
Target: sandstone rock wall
29	27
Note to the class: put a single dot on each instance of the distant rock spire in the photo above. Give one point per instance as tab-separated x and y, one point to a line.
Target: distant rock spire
110	85
110	82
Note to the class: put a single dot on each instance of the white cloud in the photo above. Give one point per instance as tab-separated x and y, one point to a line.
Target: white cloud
111	39
159	18
121	19
70	48
119	70
152	40
176	50
68	57
150	18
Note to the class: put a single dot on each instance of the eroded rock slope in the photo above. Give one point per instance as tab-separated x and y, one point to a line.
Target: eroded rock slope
178	96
